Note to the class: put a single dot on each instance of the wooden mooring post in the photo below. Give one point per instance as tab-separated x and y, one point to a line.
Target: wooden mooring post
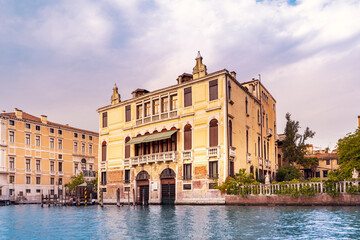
118	197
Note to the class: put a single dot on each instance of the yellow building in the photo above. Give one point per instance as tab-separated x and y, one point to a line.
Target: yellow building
173	145
359	120
38	156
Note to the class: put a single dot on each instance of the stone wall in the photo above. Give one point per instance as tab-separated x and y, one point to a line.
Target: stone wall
319	199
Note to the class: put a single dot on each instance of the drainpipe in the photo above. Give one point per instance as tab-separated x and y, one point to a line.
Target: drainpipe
226	131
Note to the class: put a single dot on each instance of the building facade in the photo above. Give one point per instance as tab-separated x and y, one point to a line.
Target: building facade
38	156
173	145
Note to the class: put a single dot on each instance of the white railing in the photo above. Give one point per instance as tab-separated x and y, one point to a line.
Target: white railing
126	162
38	171
269	132
52	172
12	169
155	157
260	161
103	165
157	117
232	152
248	157
187	155
60	172
27	170
213	151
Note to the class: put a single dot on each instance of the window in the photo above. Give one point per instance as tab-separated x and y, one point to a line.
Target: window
246	106
11	122
52	166
156	106
147	109
59	144
127	176
213	90
37	128
37	165
83	136
75	146
103	151
12	163
11	136
187	137
37	141
127	148
258	116
231	169
11	192
38	190
60	156
28	180
229	90
213	138
60	166
27	139
128	113
187	97
90	167
259	146
327	162
38	180
173	142
187	186
52	181
317	174
51	143
164	104
265	157
52	130
90	149
103	178
230	132
27	126
60	132
28	164
90	138
76	167
325	173
187	171
11	179
173	102
83	147
104	120
247	141
139	111
75	135
28	190
213	169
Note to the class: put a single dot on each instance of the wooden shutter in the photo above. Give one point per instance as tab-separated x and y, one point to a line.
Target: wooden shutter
187	97
213	133
103	151
128	113
105	120
213	90
127	148
187	137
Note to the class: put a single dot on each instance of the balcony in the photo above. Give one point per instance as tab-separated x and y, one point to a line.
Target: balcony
28	171
269	132
89	173
232	152
260	161
154	158
103	164
126	162
157	117
277	167
38	171
267	163
12	170
187	155
126	181
52	172
213	151
248	157
60	172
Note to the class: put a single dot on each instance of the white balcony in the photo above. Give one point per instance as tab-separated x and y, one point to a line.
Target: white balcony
38	171
248	157
232	152
153	158
103	164
187	155
269	132
60	172
52	172
213	151
28	171
260	161
157	117
126	162
277	167
12	170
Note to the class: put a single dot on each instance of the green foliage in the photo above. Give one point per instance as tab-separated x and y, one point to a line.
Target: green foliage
315	179
307	191
353	189
349	147
310	162
232	185
288	173
330	188
294	146
75	181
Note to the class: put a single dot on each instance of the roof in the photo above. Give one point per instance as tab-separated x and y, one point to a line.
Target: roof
33	118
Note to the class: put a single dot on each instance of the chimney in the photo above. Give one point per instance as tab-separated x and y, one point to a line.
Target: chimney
233	74
44	119
18	113
3	111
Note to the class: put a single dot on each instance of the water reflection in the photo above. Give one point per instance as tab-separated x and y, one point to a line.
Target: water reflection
179	222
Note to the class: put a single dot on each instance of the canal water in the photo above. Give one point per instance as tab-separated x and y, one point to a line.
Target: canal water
179	222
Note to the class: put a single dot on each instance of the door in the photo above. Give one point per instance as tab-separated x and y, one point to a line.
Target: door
142	192
167	191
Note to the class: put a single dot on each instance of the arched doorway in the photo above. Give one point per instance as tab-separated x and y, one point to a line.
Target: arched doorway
167	177
142	184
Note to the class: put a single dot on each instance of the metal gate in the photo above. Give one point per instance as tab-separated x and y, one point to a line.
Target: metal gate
168	191
144	194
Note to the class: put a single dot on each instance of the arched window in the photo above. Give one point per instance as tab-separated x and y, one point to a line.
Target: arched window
265	151
259	147
213	133
230	133
187	137
127	148
246	106
258	115
247	141
103	151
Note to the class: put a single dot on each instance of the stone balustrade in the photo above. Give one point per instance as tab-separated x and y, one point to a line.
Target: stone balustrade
152	158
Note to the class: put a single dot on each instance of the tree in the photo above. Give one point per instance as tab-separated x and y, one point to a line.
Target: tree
294	147
76	180
288	173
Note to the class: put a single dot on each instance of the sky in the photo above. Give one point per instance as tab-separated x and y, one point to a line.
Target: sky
62	58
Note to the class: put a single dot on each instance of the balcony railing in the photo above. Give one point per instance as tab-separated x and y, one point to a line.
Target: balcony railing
248	157
267	163
60	172
260	161
269	132
12	169
187	155
213	151
157	117
38	171
126	162
153	158
232	152
52	172
103	165
27	170
89	173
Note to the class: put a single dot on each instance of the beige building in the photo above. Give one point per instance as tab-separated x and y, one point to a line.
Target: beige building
38	156
173	145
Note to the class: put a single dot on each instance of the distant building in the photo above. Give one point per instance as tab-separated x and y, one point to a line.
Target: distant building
359	120
176	143
38	156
